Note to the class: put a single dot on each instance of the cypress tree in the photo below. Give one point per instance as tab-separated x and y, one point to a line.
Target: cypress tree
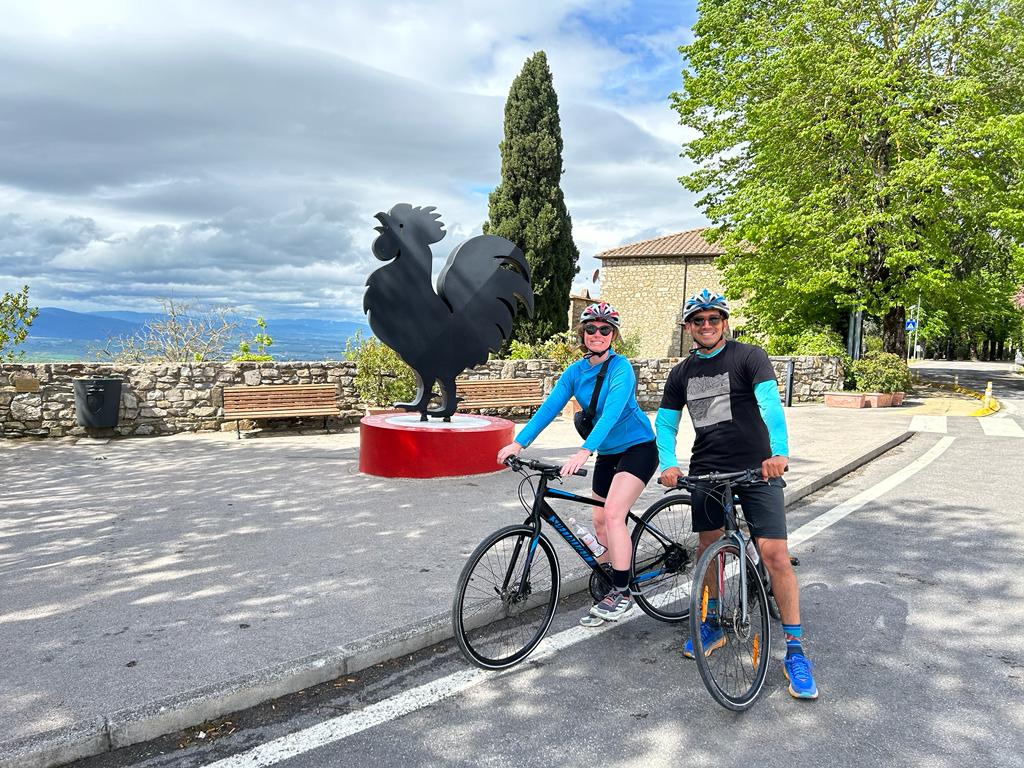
528	206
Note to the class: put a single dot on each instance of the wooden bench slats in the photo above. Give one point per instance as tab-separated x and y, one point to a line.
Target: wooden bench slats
499	393
280	401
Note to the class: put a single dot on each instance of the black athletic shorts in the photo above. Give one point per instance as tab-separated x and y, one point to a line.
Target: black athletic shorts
639	460
764	508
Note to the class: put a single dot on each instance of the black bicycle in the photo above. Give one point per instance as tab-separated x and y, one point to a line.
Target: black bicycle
508	590
732	592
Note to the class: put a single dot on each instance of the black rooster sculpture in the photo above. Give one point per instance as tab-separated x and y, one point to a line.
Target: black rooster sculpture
441	333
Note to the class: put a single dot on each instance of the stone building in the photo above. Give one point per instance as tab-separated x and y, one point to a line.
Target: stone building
577	303
649	281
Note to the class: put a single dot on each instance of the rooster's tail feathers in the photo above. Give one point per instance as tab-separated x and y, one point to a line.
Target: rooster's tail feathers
483	282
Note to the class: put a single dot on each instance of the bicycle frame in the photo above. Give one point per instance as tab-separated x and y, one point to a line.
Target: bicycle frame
732	530
542	511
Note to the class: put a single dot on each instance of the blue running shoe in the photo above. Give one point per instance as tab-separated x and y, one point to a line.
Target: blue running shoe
801	680
711	637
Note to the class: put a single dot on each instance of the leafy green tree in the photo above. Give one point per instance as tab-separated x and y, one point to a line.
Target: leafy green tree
16	318
854	153
528	206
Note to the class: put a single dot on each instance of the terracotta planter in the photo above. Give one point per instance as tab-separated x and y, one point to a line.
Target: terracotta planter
878	399
897	398
844	399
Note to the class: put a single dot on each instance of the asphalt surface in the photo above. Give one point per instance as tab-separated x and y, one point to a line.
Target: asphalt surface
152	584
912	610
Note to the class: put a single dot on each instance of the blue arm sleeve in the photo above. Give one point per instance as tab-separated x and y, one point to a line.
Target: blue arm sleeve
666	426
548	410
621	384
770	405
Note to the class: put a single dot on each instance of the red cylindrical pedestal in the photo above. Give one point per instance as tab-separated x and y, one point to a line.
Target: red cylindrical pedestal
400	445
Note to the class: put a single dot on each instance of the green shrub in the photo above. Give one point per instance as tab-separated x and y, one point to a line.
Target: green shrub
811	341
881	372
261	339
564	349
382	378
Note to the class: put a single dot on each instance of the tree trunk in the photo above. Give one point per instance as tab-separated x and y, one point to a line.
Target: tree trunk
894	337
1000	349
986	349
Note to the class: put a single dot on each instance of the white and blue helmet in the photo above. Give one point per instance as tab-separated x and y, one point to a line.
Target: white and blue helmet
705	300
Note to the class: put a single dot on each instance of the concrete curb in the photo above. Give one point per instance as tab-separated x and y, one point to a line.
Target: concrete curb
125	727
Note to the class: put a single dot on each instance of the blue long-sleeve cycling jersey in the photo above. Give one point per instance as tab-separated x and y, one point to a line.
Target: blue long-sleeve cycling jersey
619	423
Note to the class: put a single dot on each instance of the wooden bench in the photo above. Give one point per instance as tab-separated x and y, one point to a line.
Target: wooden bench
481	394
280	402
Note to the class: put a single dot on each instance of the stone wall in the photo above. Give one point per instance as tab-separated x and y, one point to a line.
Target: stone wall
38	400
156	399
649	293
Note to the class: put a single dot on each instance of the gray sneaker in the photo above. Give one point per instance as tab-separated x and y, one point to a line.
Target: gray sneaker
614	606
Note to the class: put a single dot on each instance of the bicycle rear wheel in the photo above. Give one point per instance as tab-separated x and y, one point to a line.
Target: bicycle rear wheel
500	614
732	659
664	549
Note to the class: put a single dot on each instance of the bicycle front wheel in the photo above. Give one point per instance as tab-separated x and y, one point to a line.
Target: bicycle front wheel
505	598
732	650
664	549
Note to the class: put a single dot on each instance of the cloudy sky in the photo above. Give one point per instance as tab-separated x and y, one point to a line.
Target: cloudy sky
234	152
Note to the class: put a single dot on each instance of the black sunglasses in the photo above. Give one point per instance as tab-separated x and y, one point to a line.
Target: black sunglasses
714	320
605	330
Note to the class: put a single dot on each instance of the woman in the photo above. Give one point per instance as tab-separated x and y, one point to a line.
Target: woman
622	436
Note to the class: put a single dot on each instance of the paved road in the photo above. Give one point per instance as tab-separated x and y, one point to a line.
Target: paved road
1008	386
914	610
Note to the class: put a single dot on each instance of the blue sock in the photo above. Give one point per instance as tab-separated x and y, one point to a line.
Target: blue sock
712	608
793	633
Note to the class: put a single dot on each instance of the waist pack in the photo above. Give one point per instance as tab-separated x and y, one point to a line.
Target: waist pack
584	420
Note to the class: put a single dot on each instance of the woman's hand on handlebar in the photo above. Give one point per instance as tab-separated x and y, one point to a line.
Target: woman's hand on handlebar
575	462
774	467
512	449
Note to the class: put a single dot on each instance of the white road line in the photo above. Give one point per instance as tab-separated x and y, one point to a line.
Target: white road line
935	424
404	703
834	515
1000	428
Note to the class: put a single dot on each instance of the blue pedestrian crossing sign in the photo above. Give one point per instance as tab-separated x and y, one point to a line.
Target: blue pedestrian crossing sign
911	325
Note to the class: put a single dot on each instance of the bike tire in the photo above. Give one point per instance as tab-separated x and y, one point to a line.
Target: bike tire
734	672
664	551
494	626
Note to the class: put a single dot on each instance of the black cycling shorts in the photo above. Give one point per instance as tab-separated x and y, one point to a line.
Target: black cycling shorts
764	508
639	460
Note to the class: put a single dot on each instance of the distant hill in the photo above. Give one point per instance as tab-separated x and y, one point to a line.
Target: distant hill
59	335
54	323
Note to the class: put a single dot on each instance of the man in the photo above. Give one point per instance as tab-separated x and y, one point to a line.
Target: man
732	396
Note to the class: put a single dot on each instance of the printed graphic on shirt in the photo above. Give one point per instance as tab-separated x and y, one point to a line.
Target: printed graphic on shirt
707	398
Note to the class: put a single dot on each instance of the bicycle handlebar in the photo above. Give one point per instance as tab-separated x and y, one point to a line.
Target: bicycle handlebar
744	476
514	462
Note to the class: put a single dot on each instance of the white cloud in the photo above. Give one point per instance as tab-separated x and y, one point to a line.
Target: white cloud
238	150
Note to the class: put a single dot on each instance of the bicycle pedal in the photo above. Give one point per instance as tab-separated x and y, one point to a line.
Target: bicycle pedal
794	561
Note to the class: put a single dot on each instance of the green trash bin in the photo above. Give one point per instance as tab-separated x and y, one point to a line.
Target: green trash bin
97	402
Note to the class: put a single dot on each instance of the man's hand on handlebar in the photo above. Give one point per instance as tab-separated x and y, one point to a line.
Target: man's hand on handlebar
774	467
670	477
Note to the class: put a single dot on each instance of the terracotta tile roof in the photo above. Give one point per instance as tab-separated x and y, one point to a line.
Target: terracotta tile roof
688	243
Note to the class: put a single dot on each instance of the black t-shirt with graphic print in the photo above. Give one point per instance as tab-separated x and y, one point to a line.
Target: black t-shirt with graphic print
719	394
